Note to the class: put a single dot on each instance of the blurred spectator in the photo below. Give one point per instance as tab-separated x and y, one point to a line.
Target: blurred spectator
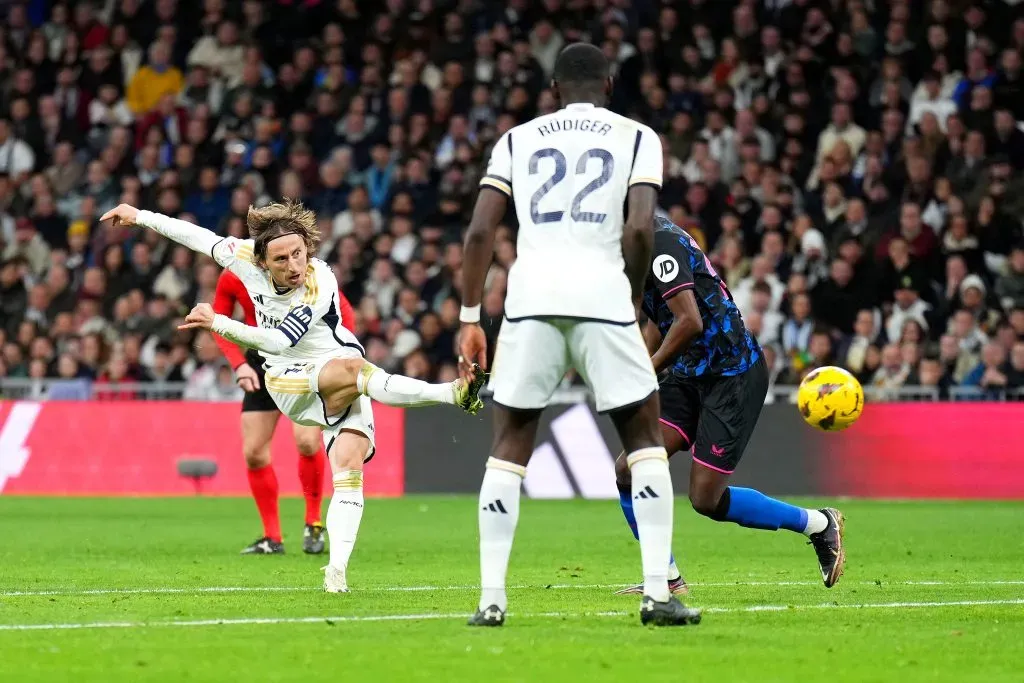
853	353
115	373
220	53
930	100
760	272
210	202
836	299
907	307
972	298
796	331
855	171
769	321
1010	286
154	80
1015	371
30	246
16	157
204	383
893	372
991	373
929	374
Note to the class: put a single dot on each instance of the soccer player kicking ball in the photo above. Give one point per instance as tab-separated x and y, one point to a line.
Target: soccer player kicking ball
714	381
259	420
572	301
315	370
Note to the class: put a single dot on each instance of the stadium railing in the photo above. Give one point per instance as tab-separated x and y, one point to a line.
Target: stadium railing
83	390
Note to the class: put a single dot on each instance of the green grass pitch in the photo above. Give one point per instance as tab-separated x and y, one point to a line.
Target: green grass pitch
154	590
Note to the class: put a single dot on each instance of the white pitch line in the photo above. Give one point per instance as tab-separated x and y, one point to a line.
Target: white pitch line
245	621
419	589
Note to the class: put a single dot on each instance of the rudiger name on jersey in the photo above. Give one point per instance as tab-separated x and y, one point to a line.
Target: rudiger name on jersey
582	125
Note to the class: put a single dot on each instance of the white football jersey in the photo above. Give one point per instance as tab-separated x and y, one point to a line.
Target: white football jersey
308	315
569	173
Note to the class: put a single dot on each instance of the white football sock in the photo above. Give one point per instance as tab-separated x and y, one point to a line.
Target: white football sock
498	515
816	522
344	514
673	571
652	505
398	390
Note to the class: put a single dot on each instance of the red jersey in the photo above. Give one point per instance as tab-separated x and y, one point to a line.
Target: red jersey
231	291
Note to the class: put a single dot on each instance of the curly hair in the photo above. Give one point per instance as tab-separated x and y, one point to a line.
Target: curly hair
277	220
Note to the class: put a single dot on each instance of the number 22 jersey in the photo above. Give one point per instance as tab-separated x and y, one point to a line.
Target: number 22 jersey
569	173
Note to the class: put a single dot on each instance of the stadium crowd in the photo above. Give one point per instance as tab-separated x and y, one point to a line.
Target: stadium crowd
853	168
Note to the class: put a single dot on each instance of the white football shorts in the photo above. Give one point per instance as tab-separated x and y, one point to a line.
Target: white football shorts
533	355
295	391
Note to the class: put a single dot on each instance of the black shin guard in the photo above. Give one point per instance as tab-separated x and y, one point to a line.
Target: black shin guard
722	509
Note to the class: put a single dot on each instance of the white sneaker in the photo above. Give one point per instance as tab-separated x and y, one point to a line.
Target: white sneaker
334	580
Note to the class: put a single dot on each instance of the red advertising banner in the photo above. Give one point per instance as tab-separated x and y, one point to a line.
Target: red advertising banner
928	450
133	447
896	450
899	450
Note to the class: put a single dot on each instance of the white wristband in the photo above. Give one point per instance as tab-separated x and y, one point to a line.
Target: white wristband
470	314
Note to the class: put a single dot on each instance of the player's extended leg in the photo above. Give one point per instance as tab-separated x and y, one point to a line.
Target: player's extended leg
680	402
727	421
652	506
308	441
675	441
257	432
347	451
514	435
614	362
530	359
342	380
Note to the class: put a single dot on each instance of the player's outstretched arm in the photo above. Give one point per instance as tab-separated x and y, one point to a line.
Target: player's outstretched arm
272	340
479	249
192	236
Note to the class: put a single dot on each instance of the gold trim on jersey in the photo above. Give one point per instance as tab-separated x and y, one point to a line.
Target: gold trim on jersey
285	381
245	253
282	385
644	179
491	181
293	392
312	288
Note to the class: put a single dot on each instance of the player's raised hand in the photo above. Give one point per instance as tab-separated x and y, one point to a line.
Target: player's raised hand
472	349
247	378
200	317
122	214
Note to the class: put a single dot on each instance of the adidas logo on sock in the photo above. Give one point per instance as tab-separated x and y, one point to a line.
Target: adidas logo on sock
496	506
645	493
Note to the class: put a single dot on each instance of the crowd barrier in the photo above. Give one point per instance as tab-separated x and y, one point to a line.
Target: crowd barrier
896	450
